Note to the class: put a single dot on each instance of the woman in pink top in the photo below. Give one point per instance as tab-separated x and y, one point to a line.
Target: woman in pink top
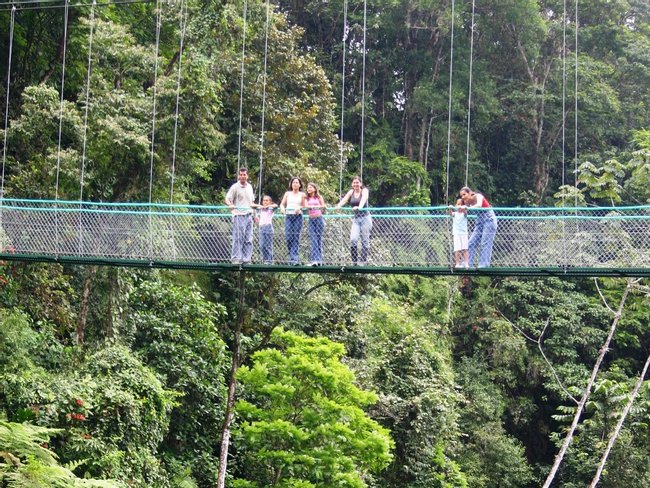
316	207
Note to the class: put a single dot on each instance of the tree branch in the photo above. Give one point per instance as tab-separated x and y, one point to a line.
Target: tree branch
587	391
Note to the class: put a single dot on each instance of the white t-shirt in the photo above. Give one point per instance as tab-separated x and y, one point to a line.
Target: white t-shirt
242	197
459	226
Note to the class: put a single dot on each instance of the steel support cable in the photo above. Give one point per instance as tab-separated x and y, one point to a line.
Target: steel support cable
450	239
85	131
451	77
241	86
58	151
363	88
469	93
575	127
87	101
266	55
344	48
575	113
564	233
182	27
153	124
12	22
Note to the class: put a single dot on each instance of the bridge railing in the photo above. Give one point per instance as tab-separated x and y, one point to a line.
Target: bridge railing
402	237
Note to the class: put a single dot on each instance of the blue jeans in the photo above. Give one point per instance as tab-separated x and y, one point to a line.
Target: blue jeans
316	228
482	238
266	243
292	228
361	227
242	237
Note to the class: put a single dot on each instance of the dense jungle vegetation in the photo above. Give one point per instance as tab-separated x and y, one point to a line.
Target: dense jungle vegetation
123	377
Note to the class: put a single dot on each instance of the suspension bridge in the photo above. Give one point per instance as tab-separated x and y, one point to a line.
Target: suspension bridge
610	241
604	241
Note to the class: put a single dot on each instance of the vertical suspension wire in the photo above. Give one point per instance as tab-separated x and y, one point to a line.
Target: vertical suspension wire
266	55
450	238
469	93
88	71
182	28
241	86
153	109
58	152
575	108
65	46
153	126
363	89
12	22
564	21
451	77
564	232
344	48
85	131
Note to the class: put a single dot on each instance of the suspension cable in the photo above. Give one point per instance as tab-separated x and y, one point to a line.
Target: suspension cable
575	113
469	95
241	86
564	20
4	144
363	87
182	27
344	47
153	110
266	55
85	138
58	151
451	76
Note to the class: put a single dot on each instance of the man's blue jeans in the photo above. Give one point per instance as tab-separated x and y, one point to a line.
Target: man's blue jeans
242	238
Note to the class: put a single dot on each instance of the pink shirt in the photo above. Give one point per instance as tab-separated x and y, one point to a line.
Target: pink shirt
266	214
314	201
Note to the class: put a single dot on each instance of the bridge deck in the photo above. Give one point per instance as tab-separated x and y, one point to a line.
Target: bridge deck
529	241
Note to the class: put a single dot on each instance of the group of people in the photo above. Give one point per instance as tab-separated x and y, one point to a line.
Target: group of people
485	229
240	198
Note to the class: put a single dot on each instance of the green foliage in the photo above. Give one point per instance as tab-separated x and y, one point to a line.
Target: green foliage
177	334
26	460
302	419
407	361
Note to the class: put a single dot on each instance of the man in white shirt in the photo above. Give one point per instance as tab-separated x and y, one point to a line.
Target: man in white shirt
240	198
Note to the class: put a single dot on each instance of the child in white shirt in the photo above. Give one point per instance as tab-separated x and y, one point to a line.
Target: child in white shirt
459	232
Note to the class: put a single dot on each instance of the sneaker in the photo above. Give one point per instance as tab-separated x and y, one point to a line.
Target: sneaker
268	262
314	263
363	263
236	261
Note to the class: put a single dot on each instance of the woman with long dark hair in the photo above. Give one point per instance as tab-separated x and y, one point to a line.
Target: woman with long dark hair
485	228
292	203
357	197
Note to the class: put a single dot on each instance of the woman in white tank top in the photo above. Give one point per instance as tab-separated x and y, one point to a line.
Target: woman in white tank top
292	203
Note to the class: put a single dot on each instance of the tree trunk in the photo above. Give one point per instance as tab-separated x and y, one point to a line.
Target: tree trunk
619	425
587	390
83	309
232	386
72	14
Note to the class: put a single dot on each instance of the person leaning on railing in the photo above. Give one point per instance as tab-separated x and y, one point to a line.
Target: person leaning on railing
291	205
240	199
361	221
485	228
